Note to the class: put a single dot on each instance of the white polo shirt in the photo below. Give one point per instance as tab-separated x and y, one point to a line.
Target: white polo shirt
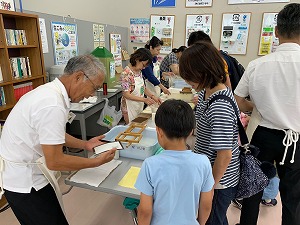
273	83
38	118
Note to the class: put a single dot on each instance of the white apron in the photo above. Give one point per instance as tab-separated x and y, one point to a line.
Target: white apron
49	174
154	89
133	107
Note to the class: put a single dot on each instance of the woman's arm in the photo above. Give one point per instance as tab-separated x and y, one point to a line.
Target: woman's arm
149	75
244	104
174	68
129	96
221	163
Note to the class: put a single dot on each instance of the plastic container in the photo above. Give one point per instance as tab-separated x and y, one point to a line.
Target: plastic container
180	83
142	150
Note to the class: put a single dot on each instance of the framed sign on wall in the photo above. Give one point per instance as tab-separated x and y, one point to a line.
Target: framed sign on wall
163	3
162	26
254	1
8	5
198	3
235	31
115	48
197	22
268	42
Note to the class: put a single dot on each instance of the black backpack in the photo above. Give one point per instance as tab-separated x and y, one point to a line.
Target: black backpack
235	69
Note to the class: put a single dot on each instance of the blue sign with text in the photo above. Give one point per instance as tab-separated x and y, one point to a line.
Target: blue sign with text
163	3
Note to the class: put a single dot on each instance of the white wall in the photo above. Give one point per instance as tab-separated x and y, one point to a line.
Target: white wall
118	12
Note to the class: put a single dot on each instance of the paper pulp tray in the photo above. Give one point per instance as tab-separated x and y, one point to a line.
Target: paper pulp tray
147	146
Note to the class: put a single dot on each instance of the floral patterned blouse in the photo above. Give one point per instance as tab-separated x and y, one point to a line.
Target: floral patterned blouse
128	84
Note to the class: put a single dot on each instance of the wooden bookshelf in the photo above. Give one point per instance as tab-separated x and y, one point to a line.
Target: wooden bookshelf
33	49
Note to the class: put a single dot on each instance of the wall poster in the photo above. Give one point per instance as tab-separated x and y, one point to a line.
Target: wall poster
115	48
162	26
254	1
235	31
201	22
7	5
139	30
65	45
99	38
43	35
198	3
268	42
163	3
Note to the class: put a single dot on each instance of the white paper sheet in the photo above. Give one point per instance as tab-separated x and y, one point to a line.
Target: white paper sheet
95	176
103	148
80	106
91	99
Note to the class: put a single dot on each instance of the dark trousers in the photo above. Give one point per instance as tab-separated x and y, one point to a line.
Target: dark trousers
272	149
221	201
37	207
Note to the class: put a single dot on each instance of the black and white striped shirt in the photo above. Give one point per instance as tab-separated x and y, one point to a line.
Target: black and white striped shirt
217	129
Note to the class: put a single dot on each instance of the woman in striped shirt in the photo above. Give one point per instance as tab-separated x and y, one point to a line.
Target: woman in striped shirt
202	66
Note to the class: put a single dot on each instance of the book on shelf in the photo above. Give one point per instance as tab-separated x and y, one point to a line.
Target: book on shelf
22	89
1	126
2	96
20	67
15	37
1	76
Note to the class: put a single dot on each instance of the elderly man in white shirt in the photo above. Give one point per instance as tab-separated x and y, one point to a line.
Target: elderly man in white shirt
35	128
273	83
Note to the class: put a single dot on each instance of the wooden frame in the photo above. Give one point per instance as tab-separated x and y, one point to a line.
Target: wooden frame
129	136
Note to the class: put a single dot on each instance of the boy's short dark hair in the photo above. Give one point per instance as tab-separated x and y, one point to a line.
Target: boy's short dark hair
176	118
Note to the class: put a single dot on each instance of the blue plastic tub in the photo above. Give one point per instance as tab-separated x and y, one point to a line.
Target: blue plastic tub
147	146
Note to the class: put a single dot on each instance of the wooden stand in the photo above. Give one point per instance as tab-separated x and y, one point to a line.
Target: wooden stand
186	90
129	136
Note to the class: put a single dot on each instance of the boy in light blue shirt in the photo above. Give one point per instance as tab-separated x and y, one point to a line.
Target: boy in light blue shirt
176	185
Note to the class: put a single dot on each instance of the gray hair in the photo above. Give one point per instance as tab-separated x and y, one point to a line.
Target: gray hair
89	64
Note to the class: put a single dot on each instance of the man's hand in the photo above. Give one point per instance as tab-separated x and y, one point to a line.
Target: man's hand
93	142
106	156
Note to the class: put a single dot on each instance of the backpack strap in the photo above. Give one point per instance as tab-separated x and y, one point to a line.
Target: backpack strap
242	133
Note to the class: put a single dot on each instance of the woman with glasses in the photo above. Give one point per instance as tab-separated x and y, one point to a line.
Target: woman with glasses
151	72
133	86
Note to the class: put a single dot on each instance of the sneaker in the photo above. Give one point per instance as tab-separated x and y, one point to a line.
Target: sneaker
273	202
238	203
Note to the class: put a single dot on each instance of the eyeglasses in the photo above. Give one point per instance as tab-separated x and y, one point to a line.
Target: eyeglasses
94	86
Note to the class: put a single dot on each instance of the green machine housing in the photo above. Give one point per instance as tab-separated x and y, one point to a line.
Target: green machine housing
107	58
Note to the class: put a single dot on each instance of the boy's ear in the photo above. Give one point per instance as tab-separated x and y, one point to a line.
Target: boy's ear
159	131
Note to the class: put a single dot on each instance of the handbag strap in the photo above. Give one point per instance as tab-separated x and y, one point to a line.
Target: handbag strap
242	133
